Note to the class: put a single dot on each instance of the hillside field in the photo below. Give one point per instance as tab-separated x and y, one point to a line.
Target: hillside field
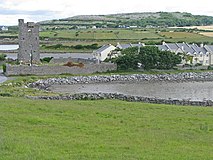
112	36
105	129
131	35
143	35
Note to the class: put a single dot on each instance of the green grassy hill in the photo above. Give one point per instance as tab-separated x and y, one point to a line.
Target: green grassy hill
103	129
154	19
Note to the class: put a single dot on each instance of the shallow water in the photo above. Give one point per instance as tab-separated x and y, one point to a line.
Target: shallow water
8	47
166	90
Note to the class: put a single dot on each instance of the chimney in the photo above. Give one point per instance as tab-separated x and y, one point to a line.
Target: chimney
163	43
202	45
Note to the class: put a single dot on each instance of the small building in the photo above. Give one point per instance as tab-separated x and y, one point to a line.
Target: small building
4	28
102	53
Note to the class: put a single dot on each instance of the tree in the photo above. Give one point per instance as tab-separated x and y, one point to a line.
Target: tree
168	60
127	62
149	57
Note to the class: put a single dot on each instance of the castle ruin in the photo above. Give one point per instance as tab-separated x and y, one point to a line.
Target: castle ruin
28	43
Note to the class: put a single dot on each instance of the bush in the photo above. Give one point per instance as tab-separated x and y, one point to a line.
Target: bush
210	68
46	59
3	57
4	68
198	64
5	94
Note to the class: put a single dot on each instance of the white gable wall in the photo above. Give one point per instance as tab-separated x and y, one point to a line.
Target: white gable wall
101	56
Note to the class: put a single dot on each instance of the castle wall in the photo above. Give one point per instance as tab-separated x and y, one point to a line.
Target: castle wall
70	59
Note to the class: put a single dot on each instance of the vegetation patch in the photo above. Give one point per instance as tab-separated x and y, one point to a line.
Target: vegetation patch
147	57
103	129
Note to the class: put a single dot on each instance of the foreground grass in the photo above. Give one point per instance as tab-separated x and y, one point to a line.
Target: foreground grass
103	130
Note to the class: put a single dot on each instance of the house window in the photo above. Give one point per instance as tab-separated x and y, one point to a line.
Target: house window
201	55
207	61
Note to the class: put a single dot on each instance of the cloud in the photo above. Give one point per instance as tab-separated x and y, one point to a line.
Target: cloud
39	10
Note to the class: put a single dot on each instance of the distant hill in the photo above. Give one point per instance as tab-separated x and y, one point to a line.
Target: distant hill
150	19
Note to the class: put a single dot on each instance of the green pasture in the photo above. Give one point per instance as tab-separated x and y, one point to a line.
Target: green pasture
105	129
130	35
103	34
186	37
118	35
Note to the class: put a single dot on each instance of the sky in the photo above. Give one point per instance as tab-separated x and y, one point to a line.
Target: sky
40	10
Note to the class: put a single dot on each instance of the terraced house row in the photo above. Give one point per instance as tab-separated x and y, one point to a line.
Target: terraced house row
196	54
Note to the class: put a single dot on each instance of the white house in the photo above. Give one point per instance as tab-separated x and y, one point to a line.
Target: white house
4	28
200	54
102	53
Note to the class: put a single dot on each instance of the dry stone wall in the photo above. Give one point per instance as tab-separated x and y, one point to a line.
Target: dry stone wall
129	98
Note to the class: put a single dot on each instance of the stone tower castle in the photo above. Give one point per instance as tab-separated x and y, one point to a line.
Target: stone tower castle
28	42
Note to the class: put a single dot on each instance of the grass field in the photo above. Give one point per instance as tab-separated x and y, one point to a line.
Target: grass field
208	28
186	37
113	36
103	130
208	34
118	35
104	34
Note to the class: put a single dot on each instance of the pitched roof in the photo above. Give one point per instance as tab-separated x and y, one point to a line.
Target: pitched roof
209	48
162	47
124	46
172	46
186	47
103	48
198	49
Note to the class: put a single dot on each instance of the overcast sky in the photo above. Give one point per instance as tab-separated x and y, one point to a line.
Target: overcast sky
39	10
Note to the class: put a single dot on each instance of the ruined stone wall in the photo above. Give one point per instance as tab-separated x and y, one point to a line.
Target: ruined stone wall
57	69
28	42
70	59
